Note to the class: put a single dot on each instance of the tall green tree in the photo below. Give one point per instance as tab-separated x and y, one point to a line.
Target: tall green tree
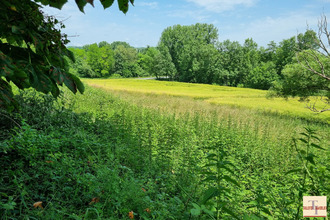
147	60
285	53
163	64
299	81
309	74
184	44
100	59
32	49
232	62
126	62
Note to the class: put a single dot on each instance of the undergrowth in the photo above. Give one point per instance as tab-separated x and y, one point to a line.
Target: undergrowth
99	157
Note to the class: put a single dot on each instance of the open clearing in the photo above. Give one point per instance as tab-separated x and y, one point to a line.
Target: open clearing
239	97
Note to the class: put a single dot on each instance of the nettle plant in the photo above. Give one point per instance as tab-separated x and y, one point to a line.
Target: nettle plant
219	180
312	175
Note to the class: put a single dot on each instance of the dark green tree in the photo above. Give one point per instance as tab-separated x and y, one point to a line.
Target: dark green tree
183	44
146	60
100	59
285	53
115	44
309	75
261	76
126	62
232	62
163	65
32	49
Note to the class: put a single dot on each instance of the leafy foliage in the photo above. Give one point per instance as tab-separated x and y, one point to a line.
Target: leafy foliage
32	48
115	158
299	81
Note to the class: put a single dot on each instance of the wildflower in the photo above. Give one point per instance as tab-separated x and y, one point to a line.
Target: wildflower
143	189
38	204
147	210
131	215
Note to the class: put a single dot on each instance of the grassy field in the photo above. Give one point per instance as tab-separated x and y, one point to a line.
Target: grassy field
239	97
123	154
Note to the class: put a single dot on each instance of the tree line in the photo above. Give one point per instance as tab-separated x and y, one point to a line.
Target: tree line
194	54
118	59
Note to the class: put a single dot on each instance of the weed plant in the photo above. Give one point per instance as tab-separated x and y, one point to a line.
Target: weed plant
99	157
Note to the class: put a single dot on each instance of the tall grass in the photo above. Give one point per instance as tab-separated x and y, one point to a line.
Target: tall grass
268	125
223	95
113	156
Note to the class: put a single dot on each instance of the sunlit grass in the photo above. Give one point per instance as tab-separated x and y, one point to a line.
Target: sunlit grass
220	95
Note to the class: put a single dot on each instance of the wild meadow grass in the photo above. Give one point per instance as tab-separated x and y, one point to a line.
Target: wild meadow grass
223	95
264	123
125	154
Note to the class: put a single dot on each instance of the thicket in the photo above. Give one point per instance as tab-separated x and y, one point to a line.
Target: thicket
115	160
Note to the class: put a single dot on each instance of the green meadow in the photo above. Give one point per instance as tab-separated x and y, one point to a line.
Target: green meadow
240	97
144	149
83	136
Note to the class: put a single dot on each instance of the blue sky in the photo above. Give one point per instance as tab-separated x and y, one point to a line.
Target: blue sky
236	20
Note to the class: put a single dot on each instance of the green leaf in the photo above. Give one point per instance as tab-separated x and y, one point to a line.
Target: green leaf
196	206
265	210
228	178
210	164
15	30
303	140
209	212
106	3
209	193
91	2
293	171
210	178
228	169
123	5
6	96
55	92
79	84
70	54
57	75
315	137
69	82
211	156
81	4
195	212
252	203
306	135
57	3
317	146
229	212
310	158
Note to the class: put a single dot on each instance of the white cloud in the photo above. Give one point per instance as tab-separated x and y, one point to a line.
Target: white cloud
152	5
267	29
222	5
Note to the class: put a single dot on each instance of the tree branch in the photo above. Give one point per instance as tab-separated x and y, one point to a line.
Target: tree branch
309	67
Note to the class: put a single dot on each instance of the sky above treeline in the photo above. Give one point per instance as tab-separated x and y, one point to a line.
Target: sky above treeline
236	20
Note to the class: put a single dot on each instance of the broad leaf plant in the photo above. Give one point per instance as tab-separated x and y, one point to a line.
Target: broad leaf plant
33	48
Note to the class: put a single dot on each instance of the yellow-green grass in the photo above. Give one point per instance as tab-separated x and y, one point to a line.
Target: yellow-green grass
221	95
